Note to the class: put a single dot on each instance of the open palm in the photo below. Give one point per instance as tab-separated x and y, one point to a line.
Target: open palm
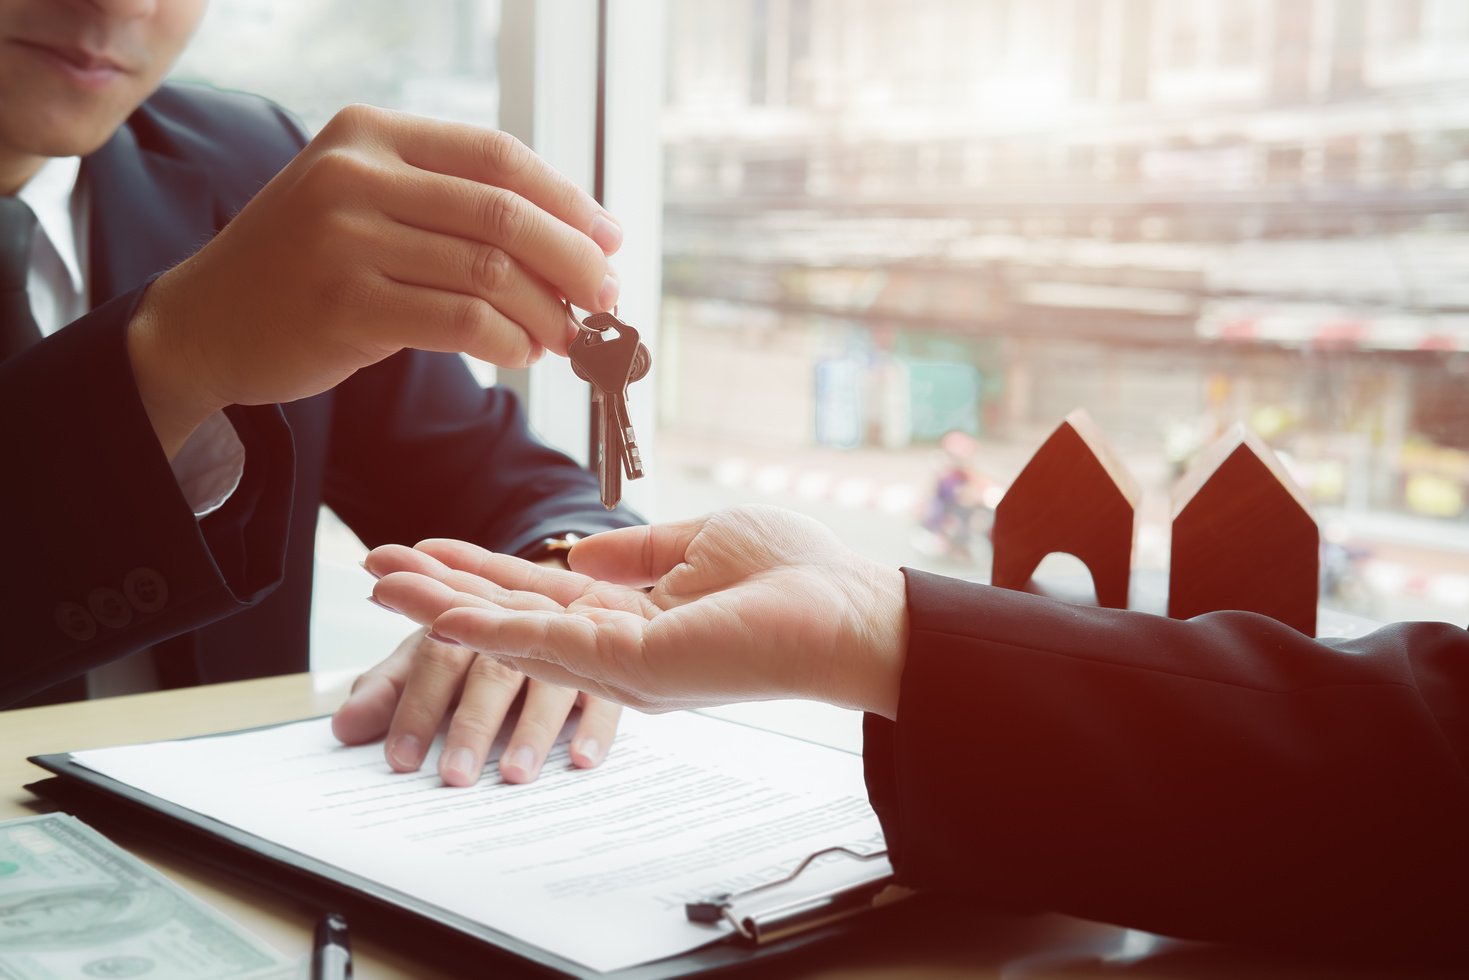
747	604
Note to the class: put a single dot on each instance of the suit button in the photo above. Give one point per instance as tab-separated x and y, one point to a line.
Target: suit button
75	621
145	589
110	608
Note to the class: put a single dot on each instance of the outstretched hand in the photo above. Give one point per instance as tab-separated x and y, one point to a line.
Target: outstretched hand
748	604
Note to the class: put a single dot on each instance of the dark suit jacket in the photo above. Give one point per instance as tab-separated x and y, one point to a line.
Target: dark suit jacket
104	557
1219	778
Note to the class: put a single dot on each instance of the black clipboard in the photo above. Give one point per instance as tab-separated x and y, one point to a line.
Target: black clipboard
402	921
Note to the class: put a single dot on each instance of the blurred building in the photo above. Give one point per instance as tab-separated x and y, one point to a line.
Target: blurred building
903	219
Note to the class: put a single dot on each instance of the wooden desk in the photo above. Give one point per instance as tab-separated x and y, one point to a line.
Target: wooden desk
961	943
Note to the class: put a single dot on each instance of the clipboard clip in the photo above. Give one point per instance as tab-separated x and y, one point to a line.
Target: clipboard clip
808	911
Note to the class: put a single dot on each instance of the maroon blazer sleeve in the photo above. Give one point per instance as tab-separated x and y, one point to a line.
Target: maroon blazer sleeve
1221	778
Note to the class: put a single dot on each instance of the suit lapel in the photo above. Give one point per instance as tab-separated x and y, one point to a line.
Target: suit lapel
148	212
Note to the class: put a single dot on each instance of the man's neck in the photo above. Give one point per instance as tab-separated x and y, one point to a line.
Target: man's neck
15	171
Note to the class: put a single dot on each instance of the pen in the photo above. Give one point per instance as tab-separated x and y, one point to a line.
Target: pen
331	955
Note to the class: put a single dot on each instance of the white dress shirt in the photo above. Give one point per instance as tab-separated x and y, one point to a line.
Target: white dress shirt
208	467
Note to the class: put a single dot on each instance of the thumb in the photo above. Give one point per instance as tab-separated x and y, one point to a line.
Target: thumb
368	710
635	556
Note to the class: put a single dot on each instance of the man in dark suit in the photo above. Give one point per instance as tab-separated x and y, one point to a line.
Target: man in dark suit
1222	778
169	445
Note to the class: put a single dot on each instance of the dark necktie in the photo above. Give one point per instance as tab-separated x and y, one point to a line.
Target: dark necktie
18	328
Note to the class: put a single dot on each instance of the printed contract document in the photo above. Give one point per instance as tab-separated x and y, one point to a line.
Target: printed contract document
591	865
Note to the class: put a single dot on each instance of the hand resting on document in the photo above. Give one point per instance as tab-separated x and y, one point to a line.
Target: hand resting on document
408	695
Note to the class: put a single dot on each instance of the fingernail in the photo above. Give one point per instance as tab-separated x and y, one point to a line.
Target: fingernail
368	570
460	762
448	641
607	295
606	234
521	762
378	602
535	354
406	752
590	750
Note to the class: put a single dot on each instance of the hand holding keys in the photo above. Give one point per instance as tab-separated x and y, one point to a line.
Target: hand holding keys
610	363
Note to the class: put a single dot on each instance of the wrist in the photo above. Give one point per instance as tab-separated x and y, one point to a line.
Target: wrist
175	403
880	641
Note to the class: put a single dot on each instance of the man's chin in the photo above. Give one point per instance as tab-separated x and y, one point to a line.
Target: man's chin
68	134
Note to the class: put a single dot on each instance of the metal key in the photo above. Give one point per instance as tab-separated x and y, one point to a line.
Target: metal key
610	364
607	365
609	473
632	457
611	351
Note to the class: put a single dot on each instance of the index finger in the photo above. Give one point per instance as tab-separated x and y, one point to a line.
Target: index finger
506	571
469	569
493	157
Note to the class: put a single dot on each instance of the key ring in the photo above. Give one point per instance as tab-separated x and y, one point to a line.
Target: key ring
600	328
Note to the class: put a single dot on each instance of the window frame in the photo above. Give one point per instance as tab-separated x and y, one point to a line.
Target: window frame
548	83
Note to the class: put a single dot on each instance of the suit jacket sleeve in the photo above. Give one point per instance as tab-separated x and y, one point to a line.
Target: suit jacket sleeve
114	558
106	555
1220	778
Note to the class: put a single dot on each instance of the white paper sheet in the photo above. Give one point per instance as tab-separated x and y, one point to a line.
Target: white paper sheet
592	865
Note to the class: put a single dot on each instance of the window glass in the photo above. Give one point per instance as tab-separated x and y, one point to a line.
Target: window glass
433	57
903	240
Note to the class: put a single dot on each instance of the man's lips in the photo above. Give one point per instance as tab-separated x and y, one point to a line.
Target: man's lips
81	63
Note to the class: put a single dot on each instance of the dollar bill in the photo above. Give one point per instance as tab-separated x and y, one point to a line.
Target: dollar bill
74	905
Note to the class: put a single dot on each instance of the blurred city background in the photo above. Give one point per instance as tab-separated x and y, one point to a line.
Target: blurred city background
903	240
